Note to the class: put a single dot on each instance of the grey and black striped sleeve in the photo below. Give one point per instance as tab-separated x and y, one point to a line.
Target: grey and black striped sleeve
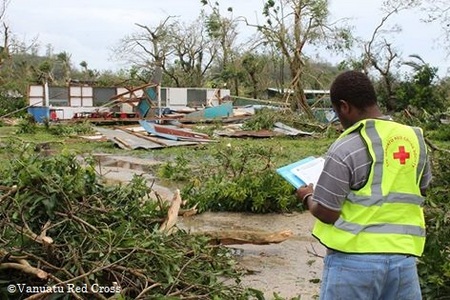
426	176
347	166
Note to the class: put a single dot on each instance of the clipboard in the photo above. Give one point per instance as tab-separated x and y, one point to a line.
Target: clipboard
303	172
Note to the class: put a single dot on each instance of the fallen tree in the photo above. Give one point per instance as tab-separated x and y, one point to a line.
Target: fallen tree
61	229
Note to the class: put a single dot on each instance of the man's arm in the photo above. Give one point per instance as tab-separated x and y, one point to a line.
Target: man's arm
319	211
426	178
322	213
346	167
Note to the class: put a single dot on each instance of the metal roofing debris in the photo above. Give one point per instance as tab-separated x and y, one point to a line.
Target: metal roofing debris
173	133
280	129
150	135
222	110
248	133
127	140
287	130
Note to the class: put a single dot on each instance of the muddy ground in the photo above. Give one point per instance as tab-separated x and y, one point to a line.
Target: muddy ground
290	269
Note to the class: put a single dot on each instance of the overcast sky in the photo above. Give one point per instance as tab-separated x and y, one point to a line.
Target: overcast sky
88	29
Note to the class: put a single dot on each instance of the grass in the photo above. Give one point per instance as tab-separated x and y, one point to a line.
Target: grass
285	149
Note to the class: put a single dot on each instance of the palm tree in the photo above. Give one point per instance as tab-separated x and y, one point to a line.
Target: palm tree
64	59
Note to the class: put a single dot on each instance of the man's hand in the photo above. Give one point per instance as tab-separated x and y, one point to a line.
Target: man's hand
304	191
322	213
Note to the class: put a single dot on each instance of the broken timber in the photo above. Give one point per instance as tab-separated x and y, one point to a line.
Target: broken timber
238	237
223	237
172	215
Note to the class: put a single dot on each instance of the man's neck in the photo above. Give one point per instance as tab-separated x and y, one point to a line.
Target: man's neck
371	113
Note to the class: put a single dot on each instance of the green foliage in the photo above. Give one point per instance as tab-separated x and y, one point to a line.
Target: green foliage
100	233
237	178
262	119
27	125
278	297
265	118
70	129
10	104
420	91
441	133
431	124
434	265
261	192
177	170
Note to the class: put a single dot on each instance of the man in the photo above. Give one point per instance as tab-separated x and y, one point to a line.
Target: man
368	200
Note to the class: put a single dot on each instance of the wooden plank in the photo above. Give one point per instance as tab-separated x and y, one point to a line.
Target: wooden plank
172	215
235	237
118	139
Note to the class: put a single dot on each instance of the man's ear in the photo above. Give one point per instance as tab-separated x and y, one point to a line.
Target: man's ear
344	107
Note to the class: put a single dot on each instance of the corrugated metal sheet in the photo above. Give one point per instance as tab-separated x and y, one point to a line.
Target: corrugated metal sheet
287	130
173	133
249	133
223	110
127	140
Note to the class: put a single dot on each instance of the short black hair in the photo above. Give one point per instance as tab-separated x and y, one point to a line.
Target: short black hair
355	88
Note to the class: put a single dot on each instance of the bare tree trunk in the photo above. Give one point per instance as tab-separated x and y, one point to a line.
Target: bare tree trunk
298	100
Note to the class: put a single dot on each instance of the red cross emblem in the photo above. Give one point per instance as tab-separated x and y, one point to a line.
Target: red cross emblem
401	155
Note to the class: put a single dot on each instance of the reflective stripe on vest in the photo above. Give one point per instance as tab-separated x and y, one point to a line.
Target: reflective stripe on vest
366	224
423	153
391	198
379	228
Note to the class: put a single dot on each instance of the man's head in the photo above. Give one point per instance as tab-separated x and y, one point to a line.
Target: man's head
353	98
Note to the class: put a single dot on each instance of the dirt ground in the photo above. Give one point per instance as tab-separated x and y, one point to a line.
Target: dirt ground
289	269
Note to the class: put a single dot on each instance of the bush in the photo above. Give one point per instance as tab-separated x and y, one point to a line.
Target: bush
441	133
234	178
262	119
27	125
434	265
70	129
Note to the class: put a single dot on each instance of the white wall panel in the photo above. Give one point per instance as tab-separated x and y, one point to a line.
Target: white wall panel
87	91
75	101
36	101
36	91
75	91
88	102
177	97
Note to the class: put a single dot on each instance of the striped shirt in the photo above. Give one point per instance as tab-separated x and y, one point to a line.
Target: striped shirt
347	167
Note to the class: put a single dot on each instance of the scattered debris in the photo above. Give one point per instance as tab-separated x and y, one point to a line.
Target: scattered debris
287	130
223	237
248	133
222	110
173	133
127	140
238	237
173	128
172	215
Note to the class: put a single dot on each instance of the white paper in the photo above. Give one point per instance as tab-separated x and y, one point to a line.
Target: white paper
310	171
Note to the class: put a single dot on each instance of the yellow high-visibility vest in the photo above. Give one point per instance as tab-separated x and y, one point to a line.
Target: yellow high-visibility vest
386	214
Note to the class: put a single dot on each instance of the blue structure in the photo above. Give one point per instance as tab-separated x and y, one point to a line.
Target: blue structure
39	113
